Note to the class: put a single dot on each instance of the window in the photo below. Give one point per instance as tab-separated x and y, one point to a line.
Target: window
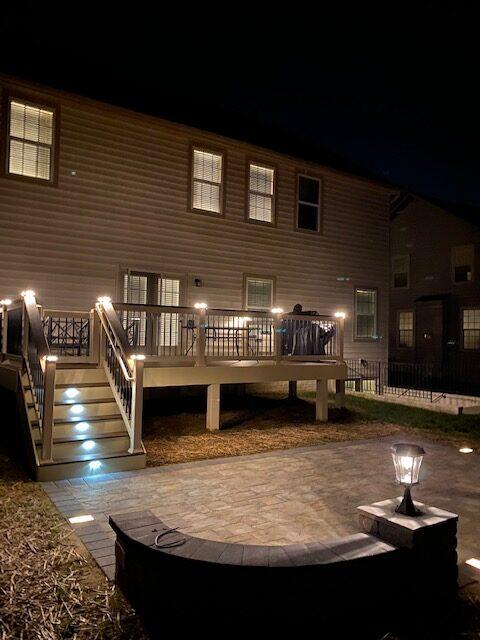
366	314
169	295
261	184
401	272
471	328
258	293
462	263
207	179
30	140
405	329
308	203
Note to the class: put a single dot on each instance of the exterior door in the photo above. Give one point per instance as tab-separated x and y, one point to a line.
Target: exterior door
429	331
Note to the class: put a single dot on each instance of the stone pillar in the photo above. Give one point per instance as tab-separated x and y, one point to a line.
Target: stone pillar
430	544
213	407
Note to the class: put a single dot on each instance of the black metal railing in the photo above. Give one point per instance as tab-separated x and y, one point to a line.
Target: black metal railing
309	337
37	377
123	383
423	380
67	335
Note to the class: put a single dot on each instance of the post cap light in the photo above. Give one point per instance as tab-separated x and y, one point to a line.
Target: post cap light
51	358
200	305
407	460
28	294
277	310
138	356
104	300
466	450
6	302
340	314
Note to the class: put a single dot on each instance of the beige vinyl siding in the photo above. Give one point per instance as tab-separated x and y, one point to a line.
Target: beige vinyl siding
123	199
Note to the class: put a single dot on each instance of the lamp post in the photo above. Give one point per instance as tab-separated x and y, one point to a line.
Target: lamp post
407	460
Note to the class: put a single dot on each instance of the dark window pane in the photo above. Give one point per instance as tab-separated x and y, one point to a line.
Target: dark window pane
400	280
307	217
308	190
463	273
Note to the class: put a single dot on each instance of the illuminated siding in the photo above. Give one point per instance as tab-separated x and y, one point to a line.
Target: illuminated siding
127	205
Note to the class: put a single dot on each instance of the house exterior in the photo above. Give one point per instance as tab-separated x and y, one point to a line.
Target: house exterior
435	286
99	200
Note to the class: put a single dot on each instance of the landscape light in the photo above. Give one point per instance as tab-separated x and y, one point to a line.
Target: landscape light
79	519
407	460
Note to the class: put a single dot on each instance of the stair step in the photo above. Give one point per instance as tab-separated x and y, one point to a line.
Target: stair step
88	429
74	394
113	416
81	437
68	403
77	375
80	450
78	412
62	469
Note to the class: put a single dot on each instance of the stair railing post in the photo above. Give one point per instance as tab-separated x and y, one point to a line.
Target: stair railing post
340	336
48	404
201	314
137	405
94	351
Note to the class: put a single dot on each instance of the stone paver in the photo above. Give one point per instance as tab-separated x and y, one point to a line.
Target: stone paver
280	497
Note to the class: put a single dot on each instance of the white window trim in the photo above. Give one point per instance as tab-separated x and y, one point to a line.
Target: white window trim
402	346
462	330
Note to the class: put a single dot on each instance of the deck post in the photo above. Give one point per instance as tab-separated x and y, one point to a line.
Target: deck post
340	336
94	346
213	407
340	394
278	342
137	408
201	338
321	401
4	328
292	389
48	404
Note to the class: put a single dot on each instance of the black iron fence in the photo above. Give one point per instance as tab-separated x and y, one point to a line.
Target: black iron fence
424	380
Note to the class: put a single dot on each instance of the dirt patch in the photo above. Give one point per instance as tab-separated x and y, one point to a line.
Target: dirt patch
249	425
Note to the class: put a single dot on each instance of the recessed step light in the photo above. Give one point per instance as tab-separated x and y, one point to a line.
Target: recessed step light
71	393
95	465
88	445
82	426
77	408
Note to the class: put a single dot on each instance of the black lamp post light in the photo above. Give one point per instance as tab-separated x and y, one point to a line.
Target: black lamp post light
407	459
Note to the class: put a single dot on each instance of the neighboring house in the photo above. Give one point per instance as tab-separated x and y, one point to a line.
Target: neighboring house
435	284
99	200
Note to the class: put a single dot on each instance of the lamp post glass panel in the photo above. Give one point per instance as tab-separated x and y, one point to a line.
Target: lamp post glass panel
407	459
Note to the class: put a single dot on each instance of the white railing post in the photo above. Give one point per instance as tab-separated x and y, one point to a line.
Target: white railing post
278	339
340	336
201	339
94	345
137	406
48	404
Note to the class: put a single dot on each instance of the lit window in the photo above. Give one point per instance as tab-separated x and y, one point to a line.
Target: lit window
405	329
260	193
207	177
471	328
365	313
308	203
462	263
258	293
169	295
30	151
401	272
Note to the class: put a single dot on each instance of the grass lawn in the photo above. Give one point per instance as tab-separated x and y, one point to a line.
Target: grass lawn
49	586
252	424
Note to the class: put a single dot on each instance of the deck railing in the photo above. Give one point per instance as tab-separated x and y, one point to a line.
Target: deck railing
69	333
124	369
202	335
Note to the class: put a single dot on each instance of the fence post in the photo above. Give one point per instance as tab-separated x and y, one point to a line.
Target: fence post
48	404
137	406
201	340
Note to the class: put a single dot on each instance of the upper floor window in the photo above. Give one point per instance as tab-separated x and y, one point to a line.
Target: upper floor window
308	203
261	185
471	328
258	293
366	314
401	272
207	181
30	140
462	263
405	329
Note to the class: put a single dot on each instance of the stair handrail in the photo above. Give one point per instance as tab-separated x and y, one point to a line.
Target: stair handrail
40	366
129	391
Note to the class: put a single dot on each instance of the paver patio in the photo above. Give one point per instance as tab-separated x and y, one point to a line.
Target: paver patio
295	495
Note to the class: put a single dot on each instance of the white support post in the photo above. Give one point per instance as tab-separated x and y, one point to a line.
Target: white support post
340	337
213	407
278	342
201	337
321	401
137	408
48	404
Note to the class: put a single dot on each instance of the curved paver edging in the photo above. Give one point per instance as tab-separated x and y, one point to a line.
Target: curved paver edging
211	580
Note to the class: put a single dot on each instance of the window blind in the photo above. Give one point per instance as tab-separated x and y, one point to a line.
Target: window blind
169	295
261	189
471	329
259	294
405	329
365	313
31	140
207	181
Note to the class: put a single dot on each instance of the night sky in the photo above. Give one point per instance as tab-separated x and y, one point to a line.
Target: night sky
395	94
